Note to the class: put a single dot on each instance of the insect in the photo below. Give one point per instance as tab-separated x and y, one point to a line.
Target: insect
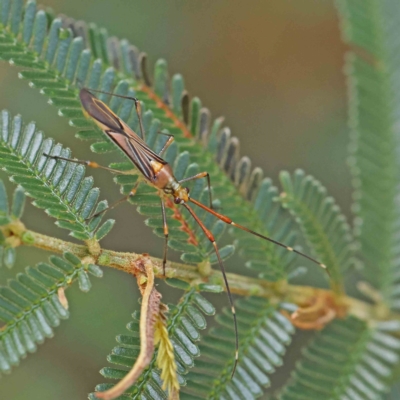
158	173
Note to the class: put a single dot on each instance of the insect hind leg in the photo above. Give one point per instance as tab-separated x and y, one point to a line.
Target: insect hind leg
211	238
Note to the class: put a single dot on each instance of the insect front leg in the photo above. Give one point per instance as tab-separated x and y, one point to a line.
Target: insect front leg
199	176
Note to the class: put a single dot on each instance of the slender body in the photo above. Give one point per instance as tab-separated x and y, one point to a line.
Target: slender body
158	173
154	169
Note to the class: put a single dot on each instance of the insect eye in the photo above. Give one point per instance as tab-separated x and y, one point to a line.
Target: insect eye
177	200
187	189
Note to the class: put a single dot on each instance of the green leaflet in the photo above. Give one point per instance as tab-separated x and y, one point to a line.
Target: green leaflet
58	187
58	62
263	333
373	85
394	393
346	360
184	322
52	60
30	307
324	226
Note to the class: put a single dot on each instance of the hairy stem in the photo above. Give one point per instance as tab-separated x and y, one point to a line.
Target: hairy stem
275	292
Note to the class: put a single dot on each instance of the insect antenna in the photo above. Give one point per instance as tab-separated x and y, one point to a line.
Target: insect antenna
228	221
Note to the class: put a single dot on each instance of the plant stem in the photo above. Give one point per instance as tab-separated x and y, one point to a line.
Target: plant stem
275	292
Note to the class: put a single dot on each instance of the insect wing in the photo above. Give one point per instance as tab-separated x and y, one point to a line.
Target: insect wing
121	134
134	152
140	145
97	110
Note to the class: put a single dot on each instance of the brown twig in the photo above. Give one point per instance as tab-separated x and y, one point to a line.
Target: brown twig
149	314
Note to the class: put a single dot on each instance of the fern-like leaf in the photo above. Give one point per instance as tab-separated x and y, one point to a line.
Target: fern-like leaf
324	226
58	62
394	392
184	323
58	187
264	334
374	119
347	360
30	307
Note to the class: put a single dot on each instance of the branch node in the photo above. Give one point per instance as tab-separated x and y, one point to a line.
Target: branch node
93	246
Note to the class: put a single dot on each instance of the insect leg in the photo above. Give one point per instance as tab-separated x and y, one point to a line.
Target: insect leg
118	202
167	143
210	237
138	109
91	164
164	216
199	176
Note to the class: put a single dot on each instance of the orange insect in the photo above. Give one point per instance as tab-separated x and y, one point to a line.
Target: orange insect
158	173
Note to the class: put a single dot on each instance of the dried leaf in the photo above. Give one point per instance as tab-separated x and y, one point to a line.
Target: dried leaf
149	315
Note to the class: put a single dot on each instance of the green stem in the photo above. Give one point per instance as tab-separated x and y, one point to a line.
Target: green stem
275	292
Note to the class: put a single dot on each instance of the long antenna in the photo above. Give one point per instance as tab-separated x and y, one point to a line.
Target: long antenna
228	221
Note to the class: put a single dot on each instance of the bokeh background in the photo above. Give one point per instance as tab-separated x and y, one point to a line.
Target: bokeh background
272	68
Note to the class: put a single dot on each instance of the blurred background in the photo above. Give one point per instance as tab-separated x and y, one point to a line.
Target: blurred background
272	68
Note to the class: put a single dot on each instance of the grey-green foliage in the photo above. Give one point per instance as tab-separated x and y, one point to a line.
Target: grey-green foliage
394	393
373	77
347	360
264	334
185	320
7	216
57	55
30	307
324	226
363	371
57	186
63	56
